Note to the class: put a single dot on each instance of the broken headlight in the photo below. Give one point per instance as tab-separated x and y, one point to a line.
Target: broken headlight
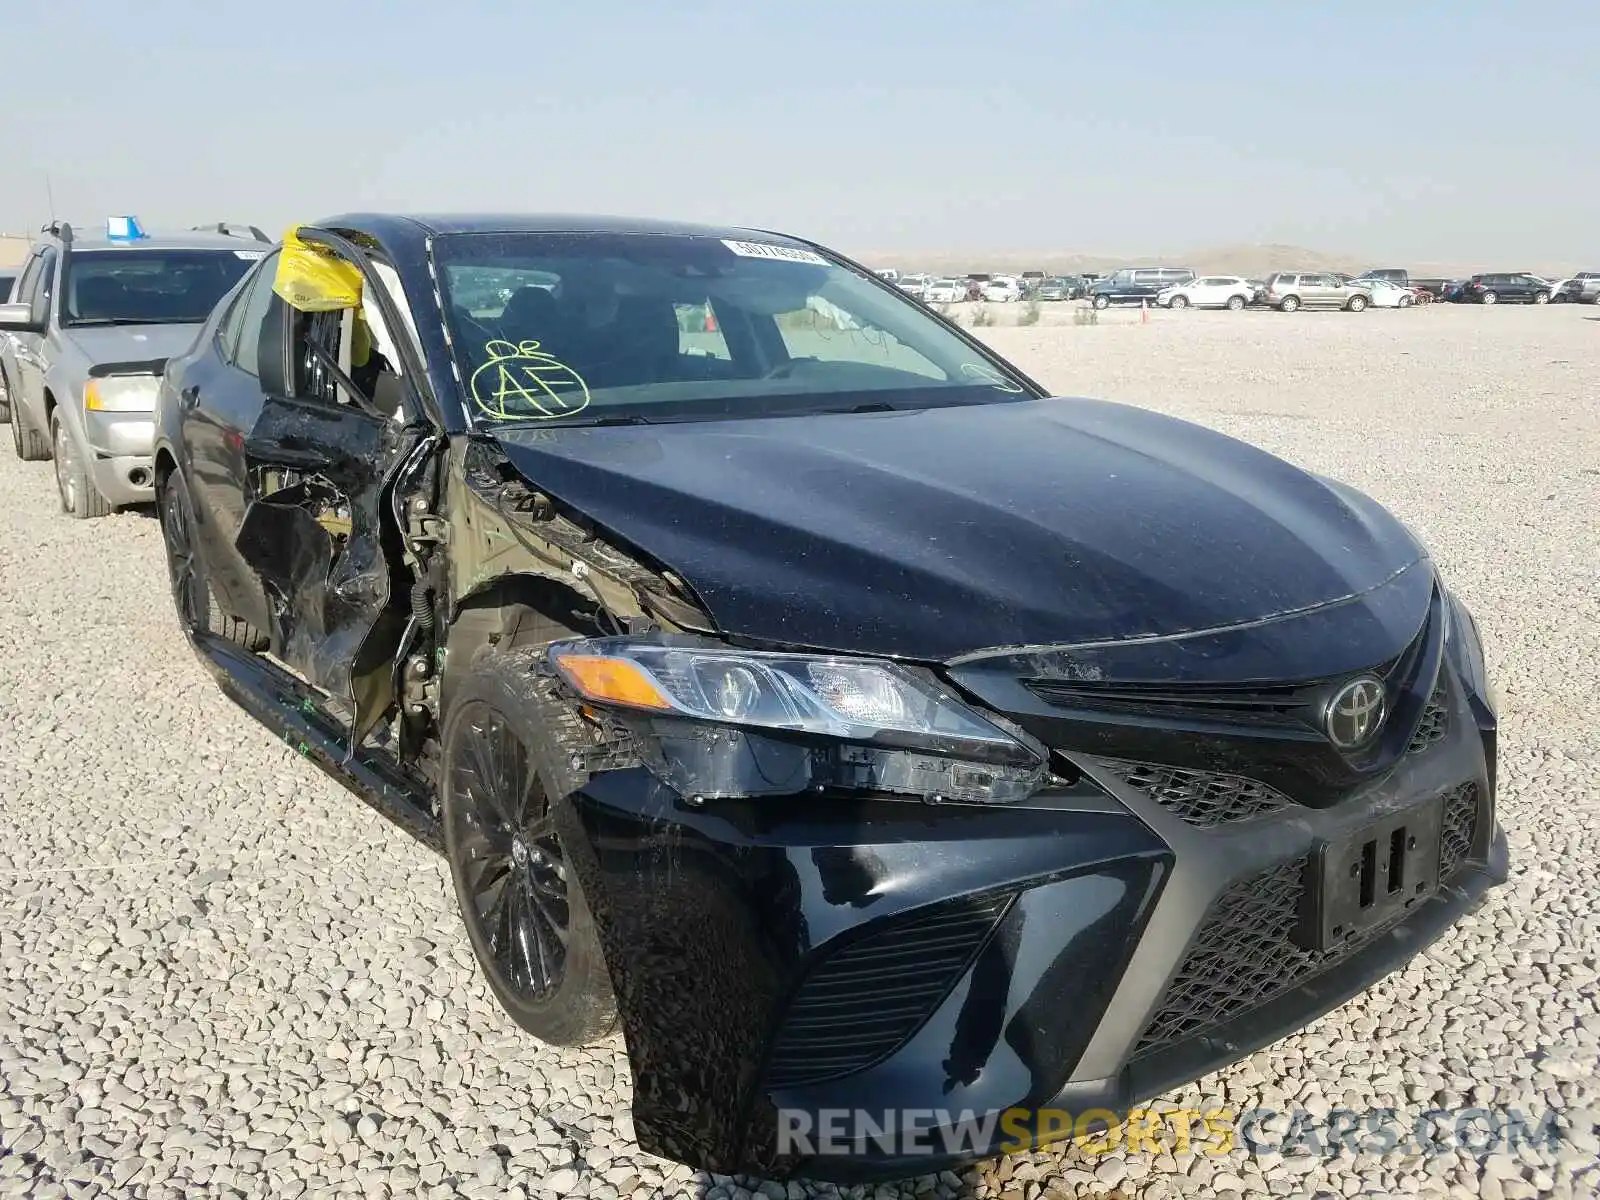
720	722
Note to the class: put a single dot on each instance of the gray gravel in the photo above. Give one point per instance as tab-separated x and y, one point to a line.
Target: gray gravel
222	975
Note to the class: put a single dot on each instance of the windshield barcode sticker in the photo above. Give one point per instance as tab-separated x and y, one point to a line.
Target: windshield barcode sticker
780	253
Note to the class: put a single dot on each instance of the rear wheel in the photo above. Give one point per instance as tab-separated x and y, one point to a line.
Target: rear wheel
508	748
198	611
1289	303
1236	303
1102	301
1357	303
80	497
31	445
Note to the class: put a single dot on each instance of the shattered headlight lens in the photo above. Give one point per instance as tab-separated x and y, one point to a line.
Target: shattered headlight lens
835	721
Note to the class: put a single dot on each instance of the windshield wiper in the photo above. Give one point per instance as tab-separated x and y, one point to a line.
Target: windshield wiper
80	322
870	406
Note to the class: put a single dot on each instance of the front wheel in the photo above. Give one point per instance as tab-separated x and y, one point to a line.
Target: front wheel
1541	297
1490	298
1102	301
1405	302
1236	303
1179	302
80	498
508	748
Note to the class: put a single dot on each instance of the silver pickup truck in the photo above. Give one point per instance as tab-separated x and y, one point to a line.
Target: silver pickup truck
90	326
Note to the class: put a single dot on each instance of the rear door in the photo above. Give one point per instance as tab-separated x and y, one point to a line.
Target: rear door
220	398
318	528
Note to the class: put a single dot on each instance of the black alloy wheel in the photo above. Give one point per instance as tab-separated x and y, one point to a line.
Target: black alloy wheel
515	872
510	754
190	596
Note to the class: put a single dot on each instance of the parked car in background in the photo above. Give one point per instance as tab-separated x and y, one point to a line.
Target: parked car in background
945	291
1003	290
1210	291
990	753
1291	290
8	278
1056	288
1136	285
94	321
1433	286
912	285
888	273
1386	294
1582	288
1515	287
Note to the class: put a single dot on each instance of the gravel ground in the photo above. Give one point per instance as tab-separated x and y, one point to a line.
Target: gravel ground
223	975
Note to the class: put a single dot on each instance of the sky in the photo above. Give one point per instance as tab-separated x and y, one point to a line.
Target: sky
1425	131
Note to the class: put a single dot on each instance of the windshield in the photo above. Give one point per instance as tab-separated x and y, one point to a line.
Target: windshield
582	328
149	287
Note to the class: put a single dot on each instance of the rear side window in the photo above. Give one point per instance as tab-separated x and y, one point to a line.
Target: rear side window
259	304
1284	280
1146	276
1177	274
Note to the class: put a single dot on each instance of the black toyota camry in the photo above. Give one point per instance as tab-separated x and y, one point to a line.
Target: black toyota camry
894	752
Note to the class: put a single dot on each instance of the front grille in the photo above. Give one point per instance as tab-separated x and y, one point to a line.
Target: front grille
1435	722
1246	954
863	1002
1202	798
1459	829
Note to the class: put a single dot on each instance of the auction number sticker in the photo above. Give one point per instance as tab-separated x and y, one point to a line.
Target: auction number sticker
777	253
249	255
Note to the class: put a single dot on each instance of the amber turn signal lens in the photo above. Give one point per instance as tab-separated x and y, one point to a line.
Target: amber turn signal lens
611	681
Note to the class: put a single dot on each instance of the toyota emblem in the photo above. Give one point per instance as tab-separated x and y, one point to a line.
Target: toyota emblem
1355	713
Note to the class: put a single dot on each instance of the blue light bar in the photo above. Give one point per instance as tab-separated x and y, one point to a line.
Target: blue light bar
124	229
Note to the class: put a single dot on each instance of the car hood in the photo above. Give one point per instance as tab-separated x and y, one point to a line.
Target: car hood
130	343
934	533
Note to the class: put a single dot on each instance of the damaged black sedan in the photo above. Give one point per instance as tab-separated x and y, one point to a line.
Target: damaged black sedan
893	752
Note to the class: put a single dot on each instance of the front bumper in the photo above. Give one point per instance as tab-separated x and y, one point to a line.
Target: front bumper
121	455
788	964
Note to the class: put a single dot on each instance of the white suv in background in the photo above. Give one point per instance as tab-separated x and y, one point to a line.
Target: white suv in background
1210	291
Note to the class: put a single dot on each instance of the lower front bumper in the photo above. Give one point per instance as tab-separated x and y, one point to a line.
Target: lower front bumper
947	1137
122	455
125	478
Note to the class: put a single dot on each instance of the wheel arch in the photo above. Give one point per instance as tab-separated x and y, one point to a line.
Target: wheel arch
509	611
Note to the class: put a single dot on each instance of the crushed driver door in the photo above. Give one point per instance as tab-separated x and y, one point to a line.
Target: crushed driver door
319	531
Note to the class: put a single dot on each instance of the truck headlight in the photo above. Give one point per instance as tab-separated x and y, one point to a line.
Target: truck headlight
121	393
736	722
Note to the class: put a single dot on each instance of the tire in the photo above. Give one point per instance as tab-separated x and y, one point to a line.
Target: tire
1489	298
80	498
513	876
1406	302
1357	304
1289	304
30	444
1102	301
1179	302
1541	297
1235	303
197	608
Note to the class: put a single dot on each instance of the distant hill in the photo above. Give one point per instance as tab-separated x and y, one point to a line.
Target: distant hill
1249	260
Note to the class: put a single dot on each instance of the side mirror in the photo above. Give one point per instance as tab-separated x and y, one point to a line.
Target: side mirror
20	318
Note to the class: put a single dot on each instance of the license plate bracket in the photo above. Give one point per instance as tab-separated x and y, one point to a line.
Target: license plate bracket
1371	876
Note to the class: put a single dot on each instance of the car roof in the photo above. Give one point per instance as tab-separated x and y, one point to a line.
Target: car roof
194	239
407	232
